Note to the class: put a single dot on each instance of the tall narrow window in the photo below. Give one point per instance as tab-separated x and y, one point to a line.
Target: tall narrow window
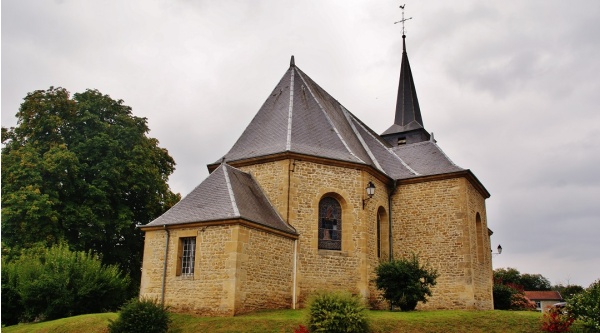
188	255
479	237
378	235
330	224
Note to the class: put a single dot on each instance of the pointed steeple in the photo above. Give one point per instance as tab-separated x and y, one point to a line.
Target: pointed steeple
408	123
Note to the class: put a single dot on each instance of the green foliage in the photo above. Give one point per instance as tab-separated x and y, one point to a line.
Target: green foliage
405	282
585	306
502	296
337	312
529	282
143	316
56	283
569	290
84	171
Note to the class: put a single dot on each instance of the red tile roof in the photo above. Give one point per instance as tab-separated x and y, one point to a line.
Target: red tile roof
543	295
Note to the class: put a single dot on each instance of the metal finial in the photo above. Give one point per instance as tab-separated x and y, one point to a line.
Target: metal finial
292	63
403	20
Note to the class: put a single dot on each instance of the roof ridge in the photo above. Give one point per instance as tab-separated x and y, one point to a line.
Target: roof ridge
230	190
441	151
287	224
328	118
361	140
288	145
390	150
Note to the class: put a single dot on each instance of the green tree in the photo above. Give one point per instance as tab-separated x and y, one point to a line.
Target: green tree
569	290
585	306
44	284
405	282
84	171
529	282
535	282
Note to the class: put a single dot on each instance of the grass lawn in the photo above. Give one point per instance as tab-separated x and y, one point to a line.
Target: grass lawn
286	320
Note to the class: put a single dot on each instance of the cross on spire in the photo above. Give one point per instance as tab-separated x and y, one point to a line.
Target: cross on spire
403	20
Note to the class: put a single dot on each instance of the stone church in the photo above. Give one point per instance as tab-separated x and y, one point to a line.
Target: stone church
310	198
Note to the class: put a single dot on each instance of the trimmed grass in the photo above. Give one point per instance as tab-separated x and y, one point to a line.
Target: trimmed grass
286	320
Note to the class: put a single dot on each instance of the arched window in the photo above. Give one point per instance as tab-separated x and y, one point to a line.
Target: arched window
479	237
330	224
378	234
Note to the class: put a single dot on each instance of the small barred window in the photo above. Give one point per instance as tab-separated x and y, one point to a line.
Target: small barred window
188	255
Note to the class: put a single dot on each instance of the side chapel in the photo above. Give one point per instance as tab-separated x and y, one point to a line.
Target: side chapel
310	198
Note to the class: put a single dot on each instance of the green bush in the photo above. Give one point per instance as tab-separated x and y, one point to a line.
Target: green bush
503	295
585	306
334	312
143	316
56	283
405	282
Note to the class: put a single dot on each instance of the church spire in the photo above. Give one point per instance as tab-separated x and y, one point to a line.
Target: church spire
408	123
408	113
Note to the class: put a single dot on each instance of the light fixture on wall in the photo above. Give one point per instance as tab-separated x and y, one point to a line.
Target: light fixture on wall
499	251
370	191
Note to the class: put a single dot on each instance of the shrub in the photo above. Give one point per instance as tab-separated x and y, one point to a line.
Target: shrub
56	283
301	329
521	303
337	312
502	296
585	306
143	316
405	282
555	320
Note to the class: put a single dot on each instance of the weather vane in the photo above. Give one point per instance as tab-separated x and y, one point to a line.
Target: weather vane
403	19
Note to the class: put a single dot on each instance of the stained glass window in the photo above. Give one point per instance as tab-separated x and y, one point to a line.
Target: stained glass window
330	224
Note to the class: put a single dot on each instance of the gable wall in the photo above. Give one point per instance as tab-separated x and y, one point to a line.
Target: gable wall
349	269
209	291
264	271
436	221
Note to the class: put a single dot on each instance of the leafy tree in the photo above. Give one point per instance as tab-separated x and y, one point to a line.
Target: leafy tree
585	306
503	295
405	282
56	282
529	282
84	171
537	282
569	290
507	275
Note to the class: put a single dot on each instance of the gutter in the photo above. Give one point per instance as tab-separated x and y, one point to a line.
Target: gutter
164	277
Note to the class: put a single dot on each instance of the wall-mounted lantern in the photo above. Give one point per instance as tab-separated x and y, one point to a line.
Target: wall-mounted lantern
370	192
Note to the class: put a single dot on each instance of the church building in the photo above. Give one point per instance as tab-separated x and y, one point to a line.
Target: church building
309	198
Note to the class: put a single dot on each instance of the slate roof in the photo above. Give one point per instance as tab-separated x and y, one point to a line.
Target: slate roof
301	117
543	295
408	113
227	193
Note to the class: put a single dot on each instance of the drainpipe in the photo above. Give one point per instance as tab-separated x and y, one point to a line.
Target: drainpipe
164	277
294	274
394	187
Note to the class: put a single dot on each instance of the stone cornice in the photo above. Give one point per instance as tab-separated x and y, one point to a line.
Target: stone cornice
241	222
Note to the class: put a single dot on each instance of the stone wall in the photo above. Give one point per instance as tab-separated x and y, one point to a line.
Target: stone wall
351	268
436	220
237	269
264	271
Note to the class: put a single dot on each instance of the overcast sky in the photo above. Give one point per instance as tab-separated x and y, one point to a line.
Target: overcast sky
511	90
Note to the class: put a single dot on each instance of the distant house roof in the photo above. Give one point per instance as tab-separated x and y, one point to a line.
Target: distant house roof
226	194
543	295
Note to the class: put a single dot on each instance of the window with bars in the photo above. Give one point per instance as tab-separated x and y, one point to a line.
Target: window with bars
187	255
330	224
